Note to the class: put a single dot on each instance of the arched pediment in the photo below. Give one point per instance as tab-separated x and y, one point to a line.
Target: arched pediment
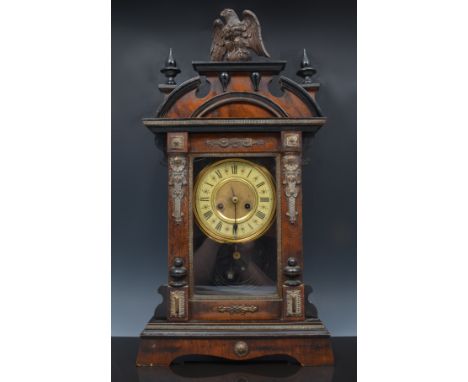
229	90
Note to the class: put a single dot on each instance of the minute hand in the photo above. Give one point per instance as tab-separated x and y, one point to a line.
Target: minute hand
234	200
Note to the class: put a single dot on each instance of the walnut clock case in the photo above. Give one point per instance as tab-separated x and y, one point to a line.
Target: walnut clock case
234	141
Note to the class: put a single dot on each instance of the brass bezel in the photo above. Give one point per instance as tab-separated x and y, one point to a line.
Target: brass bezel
256	235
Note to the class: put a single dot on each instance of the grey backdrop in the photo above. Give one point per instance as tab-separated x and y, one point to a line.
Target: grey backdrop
142	33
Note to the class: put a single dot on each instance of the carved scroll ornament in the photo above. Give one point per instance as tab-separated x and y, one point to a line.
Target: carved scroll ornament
234	142
291	179
237	309
177	181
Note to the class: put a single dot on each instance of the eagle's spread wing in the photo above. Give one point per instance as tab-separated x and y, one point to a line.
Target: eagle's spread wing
218	49
254	33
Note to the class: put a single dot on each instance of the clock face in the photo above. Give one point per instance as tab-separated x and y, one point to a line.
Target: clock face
234	200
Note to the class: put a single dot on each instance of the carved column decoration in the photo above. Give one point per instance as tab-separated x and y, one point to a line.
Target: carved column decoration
177	182
291	179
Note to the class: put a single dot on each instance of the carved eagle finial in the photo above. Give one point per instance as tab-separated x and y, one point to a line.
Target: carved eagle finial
233	40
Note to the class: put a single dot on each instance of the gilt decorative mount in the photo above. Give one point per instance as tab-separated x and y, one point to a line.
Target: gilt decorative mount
237	309
235	39
234	142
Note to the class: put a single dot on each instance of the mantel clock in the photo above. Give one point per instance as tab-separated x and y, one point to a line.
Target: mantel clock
234	136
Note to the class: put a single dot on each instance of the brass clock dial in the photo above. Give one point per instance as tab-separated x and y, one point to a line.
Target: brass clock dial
234	200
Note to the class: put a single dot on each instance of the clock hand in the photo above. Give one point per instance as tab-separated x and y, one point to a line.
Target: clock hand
234	200
234	227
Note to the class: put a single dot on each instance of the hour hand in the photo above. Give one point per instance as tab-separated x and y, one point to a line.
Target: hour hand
234	198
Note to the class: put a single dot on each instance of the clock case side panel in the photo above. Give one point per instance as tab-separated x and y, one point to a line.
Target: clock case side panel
294	299
178	226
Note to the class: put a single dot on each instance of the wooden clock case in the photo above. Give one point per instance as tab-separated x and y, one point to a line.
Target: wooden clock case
237	109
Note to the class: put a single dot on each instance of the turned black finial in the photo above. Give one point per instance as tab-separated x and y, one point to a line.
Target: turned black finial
178	273
292	271
170	70
306	71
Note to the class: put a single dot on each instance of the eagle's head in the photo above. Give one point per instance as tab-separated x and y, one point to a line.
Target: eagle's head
229	15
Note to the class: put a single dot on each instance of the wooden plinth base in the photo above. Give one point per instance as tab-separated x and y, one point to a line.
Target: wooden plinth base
306	341
258	372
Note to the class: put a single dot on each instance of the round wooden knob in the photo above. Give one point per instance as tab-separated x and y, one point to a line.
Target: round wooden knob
241	348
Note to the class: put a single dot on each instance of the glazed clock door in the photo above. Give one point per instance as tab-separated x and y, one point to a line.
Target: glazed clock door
235	230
